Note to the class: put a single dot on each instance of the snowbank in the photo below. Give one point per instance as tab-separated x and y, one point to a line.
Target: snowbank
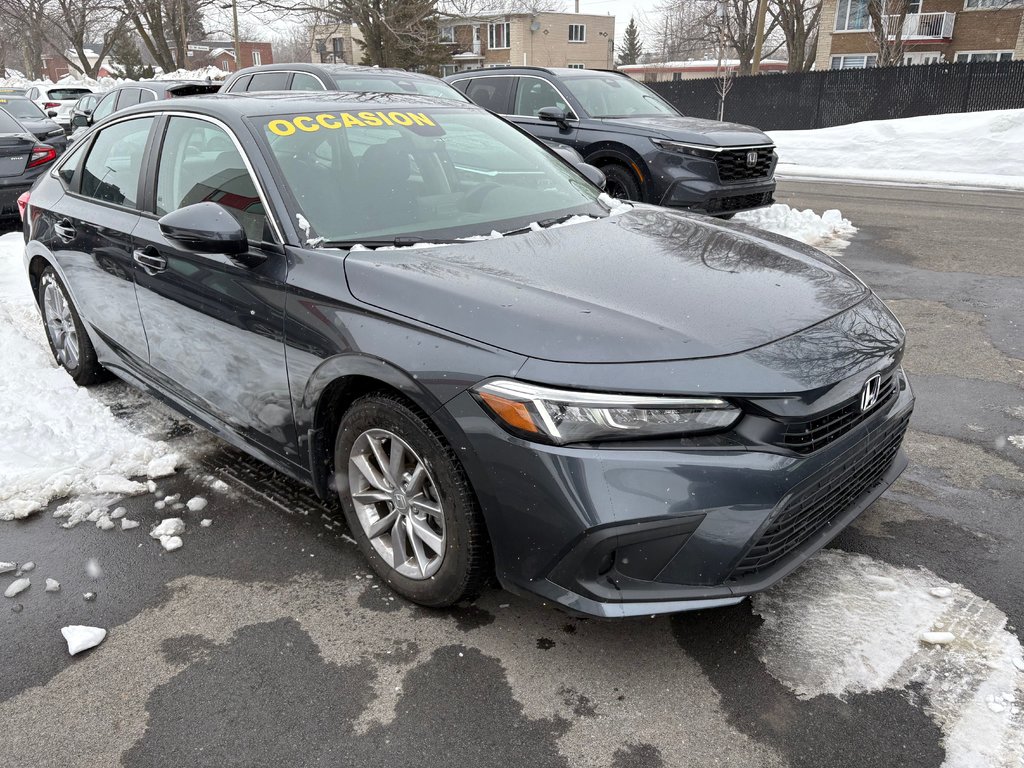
974	149
17	80
58	440
828	229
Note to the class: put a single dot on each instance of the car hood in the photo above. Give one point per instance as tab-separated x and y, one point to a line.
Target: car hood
642	286
693	130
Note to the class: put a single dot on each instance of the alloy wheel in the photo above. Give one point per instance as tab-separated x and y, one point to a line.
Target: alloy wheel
397	503
60	325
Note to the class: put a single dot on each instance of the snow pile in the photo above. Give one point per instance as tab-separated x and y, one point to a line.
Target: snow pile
846	624
58	440
973	149
18	80
830	228
203	74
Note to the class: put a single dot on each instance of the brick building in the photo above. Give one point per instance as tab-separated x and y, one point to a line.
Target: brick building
576	40
933	31
221	54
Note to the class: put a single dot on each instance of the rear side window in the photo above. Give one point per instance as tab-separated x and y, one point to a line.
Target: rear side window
200	163
303	81
269	81
70	165
129	97
491	92
8	124
112	169
145	96
240	85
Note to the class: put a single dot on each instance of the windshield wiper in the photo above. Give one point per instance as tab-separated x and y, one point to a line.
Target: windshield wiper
402	241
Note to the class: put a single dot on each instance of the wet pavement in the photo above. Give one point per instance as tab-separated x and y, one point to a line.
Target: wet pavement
264	641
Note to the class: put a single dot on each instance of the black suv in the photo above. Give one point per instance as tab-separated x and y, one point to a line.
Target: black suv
647	149
337	77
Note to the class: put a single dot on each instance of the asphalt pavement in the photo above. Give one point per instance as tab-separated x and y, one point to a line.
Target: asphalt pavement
264	641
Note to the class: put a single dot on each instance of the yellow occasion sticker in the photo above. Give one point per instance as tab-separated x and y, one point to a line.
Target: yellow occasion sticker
313	123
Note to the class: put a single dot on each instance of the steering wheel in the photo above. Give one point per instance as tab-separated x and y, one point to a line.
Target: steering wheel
475	200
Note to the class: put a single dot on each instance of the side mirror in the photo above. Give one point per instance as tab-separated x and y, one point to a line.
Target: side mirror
51	113
593	174
206	228
81	120
554	115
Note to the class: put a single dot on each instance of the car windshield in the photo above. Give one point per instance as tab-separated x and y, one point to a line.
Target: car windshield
420	174
67	94
397	84
23	109
615	96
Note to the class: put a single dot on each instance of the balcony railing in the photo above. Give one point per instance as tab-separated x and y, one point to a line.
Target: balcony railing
922	26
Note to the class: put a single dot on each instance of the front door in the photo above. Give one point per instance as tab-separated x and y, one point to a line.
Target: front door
533	94
215	326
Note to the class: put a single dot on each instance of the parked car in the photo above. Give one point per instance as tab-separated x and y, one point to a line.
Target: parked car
125	96
647	149
23	158
8	91
337	77
85	106
57	100
24	110
415	308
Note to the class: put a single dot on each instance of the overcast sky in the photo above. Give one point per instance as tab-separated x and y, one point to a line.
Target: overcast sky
620	9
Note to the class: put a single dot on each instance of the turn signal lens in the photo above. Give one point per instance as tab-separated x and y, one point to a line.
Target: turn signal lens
562	416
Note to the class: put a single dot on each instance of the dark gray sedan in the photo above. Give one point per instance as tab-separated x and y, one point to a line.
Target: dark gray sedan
414	307
44	128
22	160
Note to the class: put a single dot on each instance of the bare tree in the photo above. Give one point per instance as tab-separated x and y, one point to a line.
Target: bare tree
798	21
165	28
294	45
76	24
887	21
28	23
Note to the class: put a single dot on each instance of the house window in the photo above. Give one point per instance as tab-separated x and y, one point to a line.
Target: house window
852	16
974	4
338	48
225	65
447	35
498	34
449	69
257	58
968	56
677	75
577	33
856	61
577	66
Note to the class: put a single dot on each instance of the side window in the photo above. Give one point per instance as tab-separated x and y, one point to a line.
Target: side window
145	96
199	163
240	85
302	81
491	92
71	163
129	97
533	94
105	107
461	85
269	81
111	171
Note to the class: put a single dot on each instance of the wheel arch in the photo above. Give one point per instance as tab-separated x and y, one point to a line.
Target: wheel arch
605	152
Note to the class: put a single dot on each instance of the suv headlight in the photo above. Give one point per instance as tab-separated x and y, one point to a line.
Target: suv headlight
685	149
562	416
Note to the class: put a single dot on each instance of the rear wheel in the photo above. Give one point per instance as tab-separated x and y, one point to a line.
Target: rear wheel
621	182
408	503
66	333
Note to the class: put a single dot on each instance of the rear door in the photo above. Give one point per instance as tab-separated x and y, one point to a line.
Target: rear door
215	326
493	92
89	232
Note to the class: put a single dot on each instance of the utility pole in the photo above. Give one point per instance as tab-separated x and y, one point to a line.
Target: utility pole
234	20
762	11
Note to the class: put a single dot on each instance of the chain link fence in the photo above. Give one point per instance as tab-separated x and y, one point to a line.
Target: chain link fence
837	97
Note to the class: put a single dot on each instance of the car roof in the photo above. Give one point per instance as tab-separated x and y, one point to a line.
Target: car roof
261	103
333	69
556	71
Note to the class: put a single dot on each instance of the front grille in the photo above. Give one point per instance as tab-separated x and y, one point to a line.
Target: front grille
823	499
808	436
732	164
739	202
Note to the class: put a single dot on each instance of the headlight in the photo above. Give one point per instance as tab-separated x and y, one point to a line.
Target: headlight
561	416
685	149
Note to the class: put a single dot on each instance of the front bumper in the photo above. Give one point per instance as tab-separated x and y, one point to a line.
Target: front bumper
693	183
614	531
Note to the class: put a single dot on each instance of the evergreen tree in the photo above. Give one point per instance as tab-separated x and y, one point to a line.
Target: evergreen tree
127	58
632	48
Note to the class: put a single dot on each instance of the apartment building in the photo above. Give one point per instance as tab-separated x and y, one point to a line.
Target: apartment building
933	31
576	40
340	43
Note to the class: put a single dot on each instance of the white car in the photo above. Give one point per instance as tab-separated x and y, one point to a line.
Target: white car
58	99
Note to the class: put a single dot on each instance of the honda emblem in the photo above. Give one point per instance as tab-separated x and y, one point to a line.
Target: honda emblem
869	392
752	158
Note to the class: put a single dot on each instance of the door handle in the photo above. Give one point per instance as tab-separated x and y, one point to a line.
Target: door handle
149	260
65	231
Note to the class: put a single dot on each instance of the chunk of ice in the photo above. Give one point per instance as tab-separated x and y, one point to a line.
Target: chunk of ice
172	526
170	543
118	513
52	585
937	638
162	466
88	596
82	638
105	523
17	587
127	525
26	567
196	504
5	567
206	523
940	592
151	486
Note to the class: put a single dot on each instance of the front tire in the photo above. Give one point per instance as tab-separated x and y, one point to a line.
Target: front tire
408	503
66	332
621	183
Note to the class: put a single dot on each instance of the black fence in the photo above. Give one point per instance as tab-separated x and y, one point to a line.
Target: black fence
837	97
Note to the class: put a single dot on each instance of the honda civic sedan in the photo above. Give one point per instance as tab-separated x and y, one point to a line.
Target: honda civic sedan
496	370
